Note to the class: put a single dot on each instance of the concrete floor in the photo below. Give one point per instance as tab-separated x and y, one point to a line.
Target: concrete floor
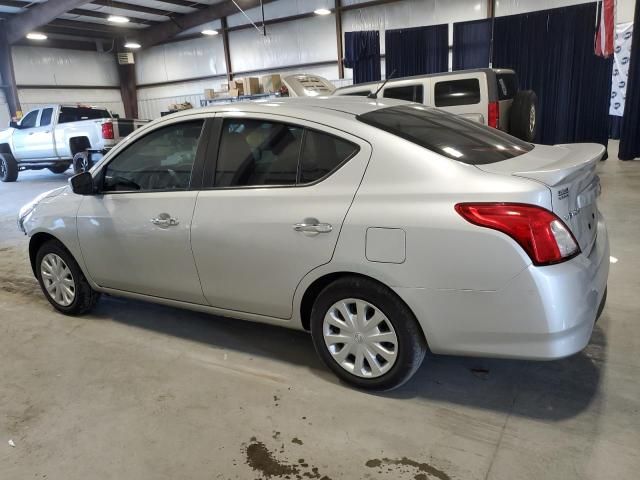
139	391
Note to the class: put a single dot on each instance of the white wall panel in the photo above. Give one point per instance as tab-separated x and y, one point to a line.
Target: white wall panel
56	66
302	41
181	60
31	98
279	9
511	7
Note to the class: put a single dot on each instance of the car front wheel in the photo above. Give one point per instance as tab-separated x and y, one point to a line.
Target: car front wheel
62	282
366	335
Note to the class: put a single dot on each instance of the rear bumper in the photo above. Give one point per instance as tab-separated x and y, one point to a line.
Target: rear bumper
543	313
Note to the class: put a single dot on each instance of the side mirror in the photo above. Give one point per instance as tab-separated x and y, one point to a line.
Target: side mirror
82	184
13	124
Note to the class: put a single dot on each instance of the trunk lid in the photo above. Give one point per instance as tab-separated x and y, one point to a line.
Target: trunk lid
569	171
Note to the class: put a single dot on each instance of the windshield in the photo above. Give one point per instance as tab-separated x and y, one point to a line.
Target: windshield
447	134
76	114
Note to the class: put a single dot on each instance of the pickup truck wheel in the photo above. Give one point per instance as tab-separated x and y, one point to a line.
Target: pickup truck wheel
61	168
81	162
8	168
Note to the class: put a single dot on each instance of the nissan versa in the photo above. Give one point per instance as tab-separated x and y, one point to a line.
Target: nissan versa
382	227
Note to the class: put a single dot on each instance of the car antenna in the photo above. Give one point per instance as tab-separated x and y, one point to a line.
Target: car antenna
375	95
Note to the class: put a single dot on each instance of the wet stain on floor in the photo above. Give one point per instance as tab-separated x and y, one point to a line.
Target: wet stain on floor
262	460
424	471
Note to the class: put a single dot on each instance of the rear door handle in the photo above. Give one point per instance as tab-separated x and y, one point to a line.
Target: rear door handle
313	227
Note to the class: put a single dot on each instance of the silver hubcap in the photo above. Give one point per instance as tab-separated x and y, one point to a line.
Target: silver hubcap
58	280
532	119
360	338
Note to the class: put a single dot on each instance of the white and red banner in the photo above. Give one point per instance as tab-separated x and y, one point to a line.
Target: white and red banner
620	71
606	28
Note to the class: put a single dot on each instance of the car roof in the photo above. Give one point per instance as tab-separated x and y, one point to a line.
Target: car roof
301	106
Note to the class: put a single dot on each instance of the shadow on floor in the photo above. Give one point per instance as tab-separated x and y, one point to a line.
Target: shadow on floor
550	391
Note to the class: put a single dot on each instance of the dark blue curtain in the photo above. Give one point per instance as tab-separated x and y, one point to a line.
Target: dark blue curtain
416	51
471	44
630	129
552	53
615	127
362	54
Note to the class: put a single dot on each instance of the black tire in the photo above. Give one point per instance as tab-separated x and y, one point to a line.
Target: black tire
411	347
85	297
8	168
523	116
81	162
59	168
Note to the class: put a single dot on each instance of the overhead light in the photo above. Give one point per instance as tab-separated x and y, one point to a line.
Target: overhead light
322	11
209	32
36	36
117	19
133	45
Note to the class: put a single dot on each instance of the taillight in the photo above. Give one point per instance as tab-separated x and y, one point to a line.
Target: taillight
541	234
494	114
107	131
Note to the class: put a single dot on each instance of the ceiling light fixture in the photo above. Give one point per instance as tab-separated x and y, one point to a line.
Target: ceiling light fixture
322	11
117	19
132	45
209	32
36	36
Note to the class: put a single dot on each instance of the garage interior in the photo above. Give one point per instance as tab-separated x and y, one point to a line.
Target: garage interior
144	391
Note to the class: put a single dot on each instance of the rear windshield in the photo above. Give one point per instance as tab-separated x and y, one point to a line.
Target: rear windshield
75	114
507	85
447	134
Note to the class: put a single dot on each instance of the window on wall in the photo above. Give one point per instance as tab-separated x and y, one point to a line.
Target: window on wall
323	153
257	152
161	160
452	93
410	93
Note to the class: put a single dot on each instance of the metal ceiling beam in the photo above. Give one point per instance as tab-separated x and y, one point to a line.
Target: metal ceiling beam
129	6
13	3
166	30
105	16
95	27
185	3
52	29
37	16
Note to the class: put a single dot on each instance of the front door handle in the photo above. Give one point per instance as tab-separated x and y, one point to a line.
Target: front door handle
313	227
164	220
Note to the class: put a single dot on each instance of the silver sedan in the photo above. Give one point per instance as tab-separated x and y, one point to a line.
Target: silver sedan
384	228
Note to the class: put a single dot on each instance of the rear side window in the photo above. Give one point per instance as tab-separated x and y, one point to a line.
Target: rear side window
76	114
452	93
257	152
507	85
410	93
45	118
447	134
322	154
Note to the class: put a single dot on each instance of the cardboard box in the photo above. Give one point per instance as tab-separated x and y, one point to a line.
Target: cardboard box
237	86
234	92
209	93
271	83
251	85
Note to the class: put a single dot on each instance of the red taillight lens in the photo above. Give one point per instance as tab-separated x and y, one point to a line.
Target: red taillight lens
494	114
541	234
107	131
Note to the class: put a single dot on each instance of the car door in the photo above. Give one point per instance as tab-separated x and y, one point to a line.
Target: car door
134	234
41	143
264	220
23	136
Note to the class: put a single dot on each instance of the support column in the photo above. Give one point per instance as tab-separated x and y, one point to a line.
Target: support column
225	45
8	82
338	14
128	86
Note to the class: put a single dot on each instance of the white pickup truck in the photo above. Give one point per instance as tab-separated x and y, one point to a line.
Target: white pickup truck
57	136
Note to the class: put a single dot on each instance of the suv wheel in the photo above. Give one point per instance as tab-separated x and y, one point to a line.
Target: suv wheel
62	281
366	335
8	168
523	117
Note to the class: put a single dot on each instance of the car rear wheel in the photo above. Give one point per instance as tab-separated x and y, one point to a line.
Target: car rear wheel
366	335
81	162
523	117
62	282
8	168
60	168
